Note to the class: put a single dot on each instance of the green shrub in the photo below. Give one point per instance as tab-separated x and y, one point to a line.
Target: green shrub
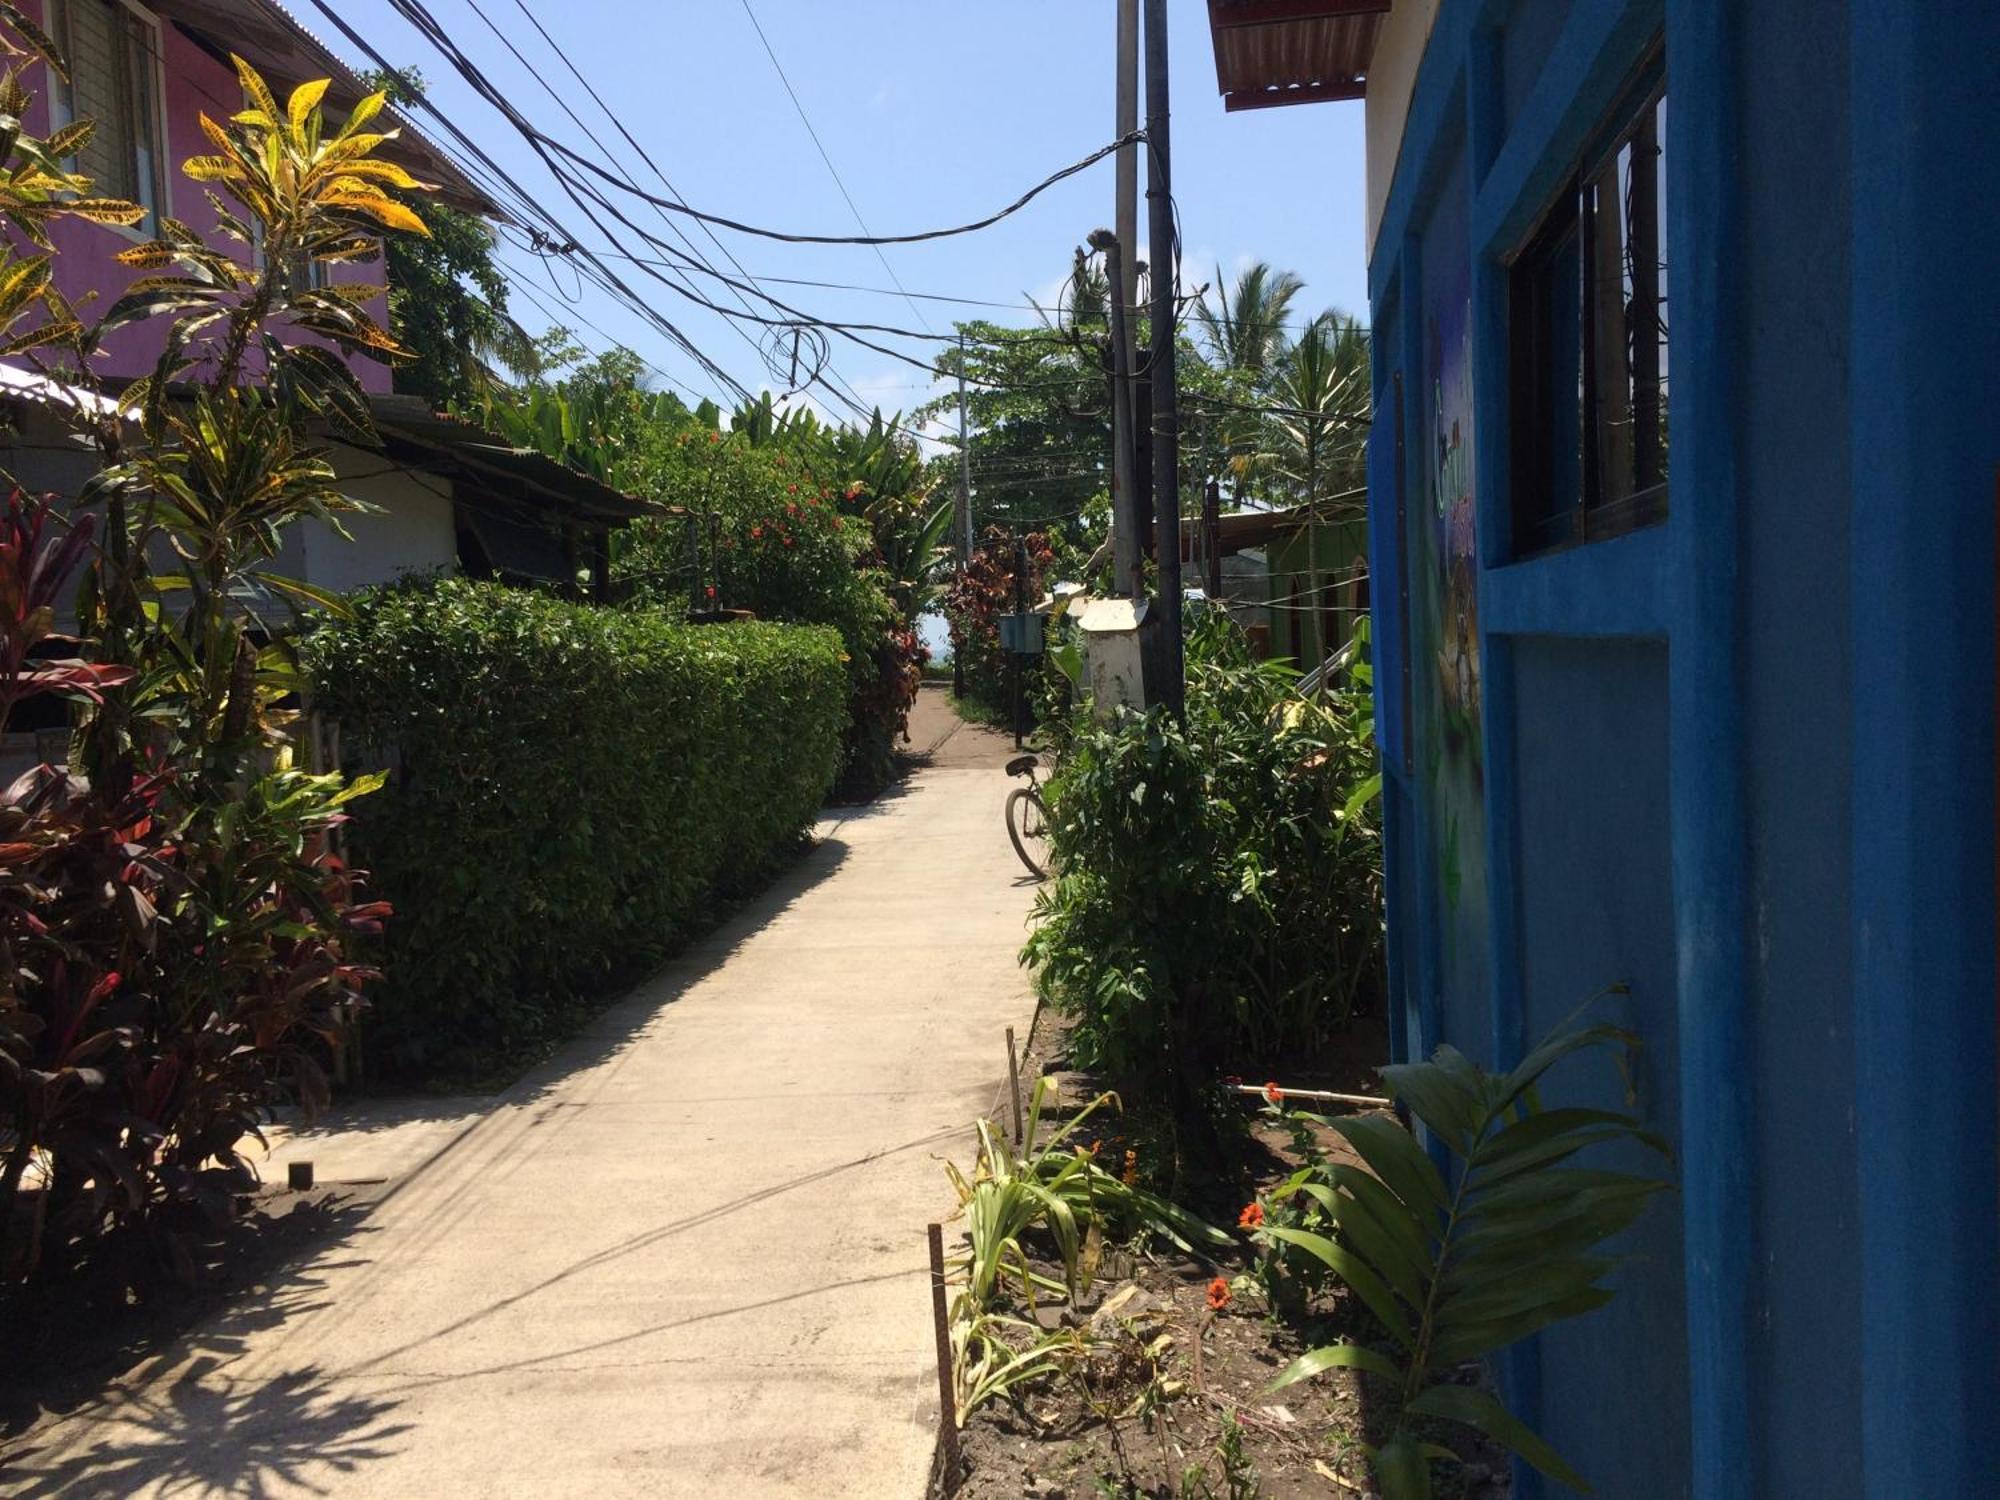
570	786
1219	890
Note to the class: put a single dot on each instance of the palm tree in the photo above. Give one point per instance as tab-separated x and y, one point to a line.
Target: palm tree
1246	331
1315	441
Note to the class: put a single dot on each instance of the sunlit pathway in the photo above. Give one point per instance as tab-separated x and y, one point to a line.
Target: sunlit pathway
687	1258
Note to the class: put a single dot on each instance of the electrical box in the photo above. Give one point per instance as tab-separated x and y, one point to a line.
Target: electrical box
1021	635
1113	667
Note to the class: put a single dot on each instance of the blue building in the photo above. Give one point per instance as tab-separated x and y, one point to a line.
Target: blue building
1683	486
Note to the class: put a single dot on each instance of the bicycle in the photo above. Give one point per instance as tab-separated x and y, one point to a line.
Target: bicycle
1028	818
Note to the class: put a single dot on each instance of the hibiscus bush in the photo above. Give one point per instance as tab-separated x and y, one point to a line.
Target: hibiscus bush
801	539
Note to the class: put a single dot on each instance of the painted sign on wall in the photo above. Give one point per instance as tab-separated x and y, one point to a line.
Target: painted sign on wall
1444	579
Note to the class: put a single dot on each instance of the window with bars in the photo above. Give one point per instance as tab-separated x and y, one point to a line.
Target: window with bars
113	54
1588	333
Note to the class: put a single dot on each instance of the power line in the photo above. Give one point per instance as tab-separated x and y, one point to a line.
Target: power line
842	390
531	208
674	205
832	170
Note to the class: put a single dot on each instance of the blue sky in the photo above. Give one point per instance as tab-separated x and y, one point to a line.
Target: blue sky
933	113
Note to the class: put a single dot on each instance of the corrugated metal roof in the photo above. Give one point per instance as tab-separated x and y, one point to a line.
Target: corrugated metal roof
407	422
1272	52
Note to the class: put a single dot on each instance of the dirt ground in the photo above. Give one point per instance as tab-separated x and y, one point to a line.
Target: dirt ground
1193	1418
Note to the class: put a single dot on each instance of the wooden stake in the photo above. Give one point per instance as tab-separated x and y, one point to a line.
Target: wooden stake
947	1404
1014	1084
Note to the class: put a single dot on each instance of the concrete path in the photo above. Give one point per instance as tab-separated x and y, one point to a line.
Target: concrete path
685	1259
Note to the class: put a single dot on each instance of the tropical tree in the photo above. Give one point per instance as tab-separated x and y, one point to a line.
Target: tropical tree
175	924
448	295
1246	329
1312	436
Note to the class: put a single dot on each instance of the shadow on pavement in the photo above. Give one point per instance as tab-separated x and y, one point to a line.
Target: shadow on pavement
177	1420
201	1435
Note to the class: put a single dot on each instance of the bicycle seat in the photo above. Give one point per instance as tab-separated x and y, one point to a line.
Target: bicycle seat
1021	765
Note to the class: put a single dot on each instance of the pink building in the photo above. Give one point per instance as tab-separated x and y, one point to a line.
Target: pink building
145	76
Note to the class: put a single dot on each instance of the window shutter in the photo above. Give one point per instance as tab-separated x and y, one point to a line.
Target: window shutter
101	91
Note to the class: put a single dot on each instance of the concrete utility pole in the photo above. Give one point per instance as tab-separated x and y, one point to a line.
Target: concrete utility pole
1126	550
1126	547
1166	418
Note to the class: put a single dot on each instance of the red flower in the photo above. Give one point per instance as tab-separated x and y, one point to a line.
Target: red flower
788	541
1251	1217
1218	1295
1275	1094
756	531
790	489
711	591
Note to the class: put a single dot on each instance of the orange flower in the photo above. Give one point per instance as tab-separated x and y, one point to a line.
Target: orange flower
1131	1168
756	531
1251	1217
1218	1295
1275	1094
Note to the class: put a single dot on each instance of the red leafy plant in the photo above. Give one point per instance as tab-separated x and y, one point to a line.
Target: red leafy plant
979	595
175	920
164	977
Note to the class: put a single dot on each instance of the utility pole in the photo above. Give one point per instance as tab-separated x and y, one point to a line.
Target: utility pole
1020	624
1211	540
1166	418
964	509
1127	549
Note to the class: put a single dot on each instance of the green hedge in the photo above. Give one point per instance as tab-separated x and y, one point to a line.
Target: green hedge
572	785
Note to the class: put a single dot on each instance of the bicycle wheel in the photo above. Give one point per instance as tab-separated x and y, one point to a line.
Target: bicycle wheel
1028	829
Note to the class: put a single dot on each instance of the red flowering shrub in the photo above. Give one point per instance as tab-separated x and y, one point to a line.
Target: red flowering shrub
976	599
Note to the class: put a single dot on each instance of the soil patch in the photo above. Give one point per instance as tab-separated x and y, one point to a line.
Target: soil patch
1172	1401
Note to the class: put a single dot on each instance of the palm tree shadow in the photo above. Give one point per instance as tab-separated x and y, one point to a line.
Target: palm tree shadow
210	1434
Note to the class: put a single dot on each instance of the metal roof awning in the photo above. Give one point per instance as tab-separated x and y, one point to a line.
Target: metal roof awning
409	429
1274	52
274	42
1244	530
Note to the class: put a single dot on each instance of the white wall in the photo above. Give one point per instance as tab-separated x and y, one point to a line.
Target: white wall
411	532
1392	77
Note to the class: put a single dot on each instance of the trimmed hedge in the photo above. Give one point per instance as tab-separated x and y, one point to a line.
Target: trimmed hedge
572	785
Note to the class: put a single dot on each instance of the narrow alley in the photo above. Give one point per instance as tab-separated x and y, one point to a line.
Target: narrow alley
684	1258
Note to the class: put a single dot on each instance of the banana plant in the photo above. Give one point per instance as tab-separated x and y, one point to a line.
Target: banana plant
1456	1265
